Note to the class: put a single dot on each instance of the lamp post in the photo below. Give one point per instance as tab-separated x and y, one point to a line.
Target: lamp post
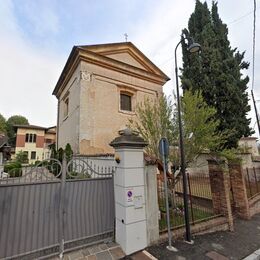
256	113
192	48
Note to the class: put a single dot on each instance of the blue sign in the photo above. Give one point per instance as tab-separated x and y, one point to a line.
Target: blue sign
164	147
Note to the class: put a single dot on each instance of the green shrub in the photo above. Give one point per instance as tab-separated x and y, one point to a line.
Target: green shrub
14	169
37	162
68	152
21	157
74	174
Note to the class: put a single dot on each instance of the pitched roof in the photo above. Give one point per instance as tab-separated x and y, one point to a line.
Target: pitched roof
128	47
3	140
248	138
31	127
105	54
49	129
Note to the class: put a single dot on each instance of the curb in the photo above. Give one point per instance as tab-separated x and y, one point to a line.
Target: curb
253	256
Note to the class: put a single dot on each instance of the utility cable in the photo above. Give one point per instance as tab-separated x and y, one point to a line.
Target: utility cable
229	23
253	64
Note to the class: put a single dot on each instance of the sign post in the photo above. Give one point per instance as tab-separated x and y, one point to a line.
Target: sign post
164	152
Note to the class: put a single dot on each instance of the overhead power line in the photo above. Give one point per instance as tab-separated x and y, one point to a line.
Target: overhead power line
242	17
253	64
229	23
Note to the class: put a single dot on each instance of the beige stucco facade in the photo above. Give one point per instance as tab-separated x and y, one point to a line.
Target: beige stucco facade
88	93
44	137
249	145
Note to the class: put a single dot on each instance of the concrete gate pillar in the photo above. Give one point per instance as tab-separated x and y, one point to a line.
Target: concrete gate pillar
129	184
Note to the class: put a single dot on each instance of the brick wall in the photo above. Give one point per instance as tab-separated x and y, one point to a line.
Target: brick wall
222	179
254	205
238	186
219	184
39	141
20	140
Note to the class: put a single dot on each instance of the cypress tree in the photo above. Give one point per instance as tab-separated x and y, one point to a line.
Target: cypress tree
216	72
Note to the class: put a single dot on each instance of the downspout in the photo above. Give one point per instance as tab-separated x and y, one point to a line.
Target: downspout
57	127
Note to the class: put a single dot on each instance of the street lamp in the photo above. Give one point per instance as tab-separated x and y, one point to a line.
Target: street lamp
256	113
192	48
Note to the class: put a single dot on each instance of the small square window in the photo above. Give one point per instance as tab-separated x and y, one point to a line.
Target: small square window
125	102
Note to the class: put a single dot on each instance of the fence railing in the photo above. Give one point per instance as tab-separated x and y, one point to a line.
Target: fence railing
252	180
50	170
199	197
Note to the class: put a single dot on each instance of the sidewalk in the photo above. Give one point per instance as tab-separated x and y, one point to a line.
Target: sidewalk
103	251
244	241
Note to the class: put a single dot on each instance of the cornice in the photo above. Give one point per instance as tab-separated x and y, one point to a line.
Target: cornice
80	54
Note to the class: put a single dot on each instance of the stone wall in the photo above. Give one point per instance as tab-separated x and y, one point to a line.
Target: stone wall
228	185
208	226
254	205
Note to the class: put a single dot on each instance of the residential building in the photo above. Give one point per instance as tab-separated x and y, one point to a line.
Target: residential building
35	141
249	152
4	151
249	145
98	91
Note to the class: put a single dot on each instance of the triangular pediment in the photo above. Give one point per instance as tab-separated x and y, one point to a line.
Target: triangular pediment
127	57
124	57
127	53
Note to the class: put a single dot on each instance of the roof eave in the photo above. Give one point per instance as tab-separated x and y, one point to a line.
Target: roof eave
66	68
79	51
123	44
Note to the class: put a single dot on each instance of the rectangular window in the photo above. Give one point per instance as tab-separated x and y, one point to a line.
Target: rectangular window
66	107
33	155
30	138
125	102
48	141
26	152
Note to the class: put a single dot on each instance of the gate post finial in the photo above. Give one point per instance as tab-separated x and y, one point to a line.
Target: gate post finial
128	138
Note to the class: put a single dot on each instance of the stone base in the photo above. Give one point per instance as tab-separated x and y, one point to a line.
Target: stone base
104	251
209	226
254	205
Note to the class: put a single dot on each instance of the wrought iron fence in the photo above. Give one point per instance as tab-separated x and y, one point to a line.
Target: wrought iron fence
252	180
45	171
86	167
199	196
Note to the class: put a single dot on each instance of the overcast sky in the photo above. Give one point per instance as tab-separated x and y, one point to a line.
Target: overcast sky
37	37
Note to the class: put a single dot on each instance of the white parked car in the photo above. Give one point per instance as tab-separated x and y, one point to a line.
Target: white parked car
4	175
